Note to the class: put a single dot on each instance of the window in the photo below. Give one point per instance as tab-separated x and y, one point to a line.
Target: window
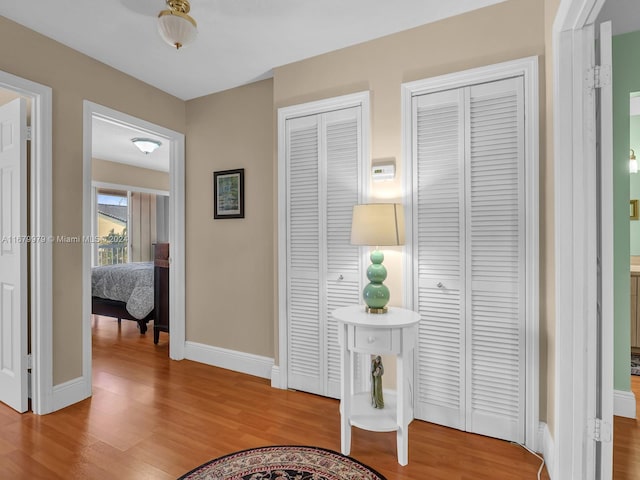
112	222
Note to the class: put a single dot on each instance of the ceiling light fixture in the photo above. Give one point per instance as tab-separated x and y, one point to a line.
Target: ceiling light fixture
176	27
146	145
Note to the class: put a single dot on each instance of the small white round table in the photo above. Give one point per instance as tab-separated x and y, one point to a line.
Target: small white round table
391	333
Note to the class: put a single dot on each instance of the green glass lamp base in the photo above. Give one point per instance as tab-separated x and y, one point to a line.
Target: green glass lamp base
376	294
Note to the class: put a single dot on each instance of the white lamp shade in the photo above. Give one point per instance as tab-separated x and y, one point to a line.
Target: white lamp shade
378	224
633	166
176	28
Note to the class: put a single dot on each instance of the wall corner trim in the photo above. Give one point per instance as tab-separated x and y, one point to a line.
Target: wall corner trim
624	404
242	362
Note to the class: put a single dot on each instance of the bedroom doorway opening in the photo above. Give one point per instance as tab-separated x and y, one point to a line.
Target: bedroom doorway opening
139	202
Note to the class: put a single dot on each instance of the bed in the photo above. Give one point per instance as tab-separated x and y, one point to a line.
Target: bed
134	291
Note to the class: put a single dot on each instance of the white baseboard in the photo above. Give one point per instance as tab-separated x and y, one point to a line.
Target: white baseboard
275	376
624	404
248	363
70	392
548	447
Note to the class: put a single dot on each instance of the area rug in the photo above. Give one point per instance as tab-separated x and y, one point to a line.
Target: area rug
635	364
285	462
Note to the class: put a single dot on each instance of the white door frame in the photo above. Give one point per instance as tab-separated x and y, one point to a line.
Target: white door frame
41	271
176	231
575	244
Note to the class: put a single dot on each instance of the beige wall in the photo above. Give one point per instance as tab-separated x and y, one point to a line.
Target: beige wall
506	31
123	174
73	78
229	263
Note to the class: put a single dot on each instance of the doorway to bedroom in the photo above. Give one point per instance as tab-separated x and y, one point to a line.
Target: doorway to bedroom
133	214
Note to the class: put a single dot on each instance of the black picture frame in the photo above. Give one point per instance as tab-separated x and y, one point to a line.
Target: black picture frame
228	194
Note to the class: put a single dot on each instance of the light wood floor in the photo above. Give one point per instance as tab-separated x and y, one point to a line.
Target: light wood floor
152	418
626	441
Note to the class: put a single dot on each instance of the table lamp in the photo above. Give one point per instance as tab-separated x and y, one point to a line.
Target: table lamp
376	225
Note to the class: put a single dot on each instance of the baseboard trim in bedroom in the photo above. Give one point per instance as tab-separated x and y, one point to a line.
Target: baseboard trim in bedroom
68	393
624	404
242	362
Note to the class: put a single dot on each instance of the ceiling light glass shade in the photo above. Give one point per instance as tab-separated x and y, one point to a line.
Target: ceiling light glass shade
146	145
176	27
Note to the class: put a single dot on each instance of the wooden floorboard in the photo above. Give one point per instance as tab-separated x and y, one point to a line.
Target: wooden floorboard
153	418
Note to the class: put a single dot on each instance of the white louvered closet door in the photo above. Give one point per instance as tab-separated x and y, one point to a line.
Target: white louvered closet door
495	259
469	241
343	260
323	163
303	247
439	238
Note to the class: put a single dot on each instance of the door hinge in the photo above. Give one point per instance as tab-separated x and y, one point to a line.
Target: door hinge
29	361
600	430
28	133
599	76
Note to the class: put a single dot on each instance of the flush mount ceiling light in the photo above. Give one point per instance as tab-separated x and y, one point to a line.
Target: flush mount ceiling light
176	27
146	145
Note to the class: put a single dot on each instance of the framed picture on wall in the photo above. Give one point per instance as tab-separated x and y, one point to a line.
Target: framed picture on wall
228	194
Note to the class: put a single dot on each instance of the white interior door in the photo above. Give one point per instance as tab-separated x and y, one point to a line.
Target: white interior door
305	370
438	197
343	261
495	259
13	255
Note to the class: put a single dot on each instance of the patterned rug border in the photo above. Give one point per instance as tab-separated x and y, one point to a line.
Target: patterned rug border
326	450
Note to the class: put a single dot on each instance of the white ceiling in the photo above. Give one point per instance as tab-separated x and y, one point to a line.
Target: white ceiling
239	41
112	141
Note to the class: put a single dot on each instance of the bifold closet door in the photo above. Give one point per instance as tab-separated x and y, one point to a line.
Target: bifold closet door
495	266
469	241
323	184
439	239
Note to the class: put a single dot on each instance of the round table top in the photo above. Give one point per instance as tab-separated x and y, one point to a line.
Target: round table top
395	317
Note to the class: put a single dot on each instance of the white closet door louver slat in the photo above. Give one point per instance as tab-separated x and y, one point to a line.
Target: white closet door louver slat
439	241
305	348
495	260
